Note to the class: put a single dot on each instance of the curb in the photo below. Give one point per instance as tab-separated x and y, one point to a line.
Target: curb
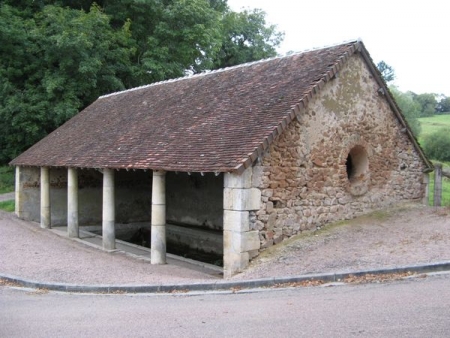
221	285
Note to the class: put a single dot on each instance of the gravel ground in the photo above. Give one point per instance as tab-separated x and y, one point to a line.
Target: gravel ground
7	197
406	235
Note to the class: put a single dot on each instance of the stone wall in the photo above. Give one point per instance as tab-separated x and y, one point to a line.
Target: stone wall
195	199
306	177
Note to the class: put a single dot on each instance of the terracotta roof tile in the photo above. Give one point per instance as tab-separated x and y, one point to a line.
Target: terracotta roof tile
212	122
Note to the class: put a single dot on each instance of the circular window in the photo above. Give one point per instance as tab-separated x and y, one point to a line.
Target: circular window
357	166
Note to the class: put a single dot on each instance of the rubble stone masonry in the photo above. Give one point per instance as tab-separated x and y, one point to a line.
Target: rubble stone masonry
346	154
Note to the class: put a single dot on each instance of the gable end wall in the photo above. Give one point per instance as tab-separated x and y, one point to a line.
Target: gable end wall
303	176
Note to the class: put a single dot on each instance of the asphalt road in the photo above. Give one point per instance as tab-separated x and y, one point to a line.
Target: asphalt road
419	307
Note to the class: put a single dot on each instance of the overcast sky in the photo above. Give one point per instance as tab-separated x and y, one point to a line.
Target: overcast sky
411	36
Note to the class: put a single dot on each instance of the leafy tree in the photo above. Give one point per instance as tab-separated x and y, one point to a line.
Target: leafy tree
52	66
57	56
246	37
387	72
409	108
437	145
444	105
428	103
186	38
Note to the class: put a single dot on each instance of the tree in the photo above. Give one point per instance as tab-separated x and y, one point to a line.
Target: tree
437	145
246	37
58	56
428	104
53	65
409	108
443	106
387	72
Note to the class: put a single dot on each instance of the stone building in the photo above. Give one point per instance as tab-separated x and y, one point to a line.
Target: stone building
254	154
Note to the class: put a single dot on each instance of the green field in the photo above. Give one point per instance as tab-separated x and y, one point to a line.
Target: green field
432	124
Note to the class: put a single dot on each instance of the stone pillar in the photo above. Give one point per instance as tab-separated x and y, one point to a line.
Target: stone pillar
45	198
72	203
238	239
18	194
108	211
158	241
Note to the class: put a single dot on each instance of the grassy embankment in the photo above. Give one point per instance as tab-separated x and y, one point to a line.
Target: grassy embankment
430	125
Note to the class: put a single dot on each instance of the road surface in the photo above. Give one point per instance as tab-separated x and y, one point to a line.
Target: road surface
418	307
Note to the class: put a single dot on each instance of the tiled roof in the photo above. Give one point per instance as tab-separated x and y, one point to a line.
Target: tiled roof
212	122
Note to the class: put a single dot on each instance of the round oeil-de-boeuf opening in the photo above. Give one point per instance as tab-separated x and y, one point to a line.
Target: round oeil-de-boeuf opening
357	163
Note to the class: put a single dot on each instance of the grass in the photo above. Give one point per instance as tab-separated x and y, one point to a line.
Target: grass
429	126
7	206
432	124
445	189
6	179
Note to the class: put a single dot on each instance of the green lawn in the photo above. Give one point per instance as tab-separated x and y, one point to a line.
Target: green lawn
432	124
7	206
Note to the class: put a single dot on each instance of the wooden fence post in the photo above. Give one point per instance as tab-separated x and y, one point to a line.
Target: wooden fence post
437	184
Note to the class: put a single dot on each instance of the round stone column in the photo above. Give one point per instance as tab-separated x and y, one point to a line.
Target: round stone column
108	211
45	198
158	242
72	203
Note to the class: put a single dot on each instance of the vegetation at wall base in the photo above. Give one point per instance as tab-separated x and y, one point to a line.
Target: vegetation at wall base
6	179
8	206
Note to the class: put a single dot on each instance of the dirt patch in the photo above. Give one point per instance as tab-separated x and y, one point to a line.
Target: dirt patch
407	234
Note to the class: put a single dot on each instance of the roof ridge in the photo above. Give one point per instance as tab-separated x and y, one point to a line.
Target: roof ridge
221	70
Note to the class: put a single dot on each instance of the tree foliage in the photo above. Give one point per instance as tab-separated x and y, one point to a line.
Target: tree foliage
57	56
428	103
246	38
444	105
409	108
387	72
437	145
52	65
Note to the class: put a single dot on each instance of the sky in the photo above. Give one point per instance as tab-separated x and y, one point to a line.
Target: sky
413	37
